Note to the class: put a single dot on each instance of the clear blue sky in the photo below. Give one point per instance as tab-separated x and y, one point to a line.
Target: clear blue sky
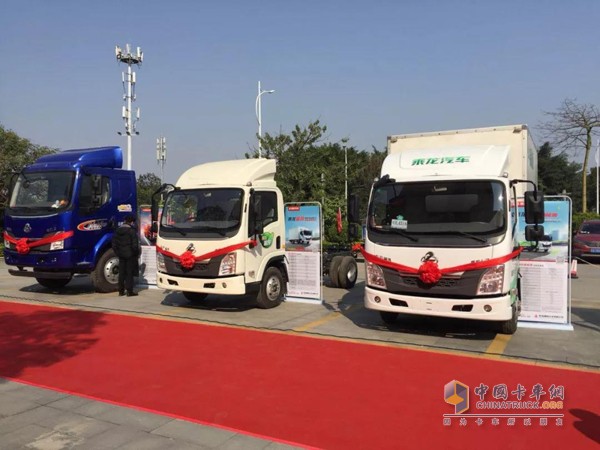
366	69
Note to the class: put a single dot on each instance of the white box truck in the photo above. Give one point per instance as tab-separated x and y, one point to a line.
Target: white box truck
300	235
441	224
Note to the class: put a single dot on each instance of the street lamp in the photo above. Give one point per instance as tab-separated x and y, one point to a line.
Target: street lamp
259	116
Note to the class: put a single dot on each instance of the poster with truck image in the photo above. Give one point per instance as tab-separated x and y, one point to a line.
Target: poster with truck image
545	266
303	251
147	263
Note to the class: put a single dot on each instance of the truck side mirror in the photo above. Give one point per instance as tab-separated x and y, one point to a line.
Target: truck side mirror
258	228
353	208
154	212
97	183
353	231
154	227
534	207
96	200
534	233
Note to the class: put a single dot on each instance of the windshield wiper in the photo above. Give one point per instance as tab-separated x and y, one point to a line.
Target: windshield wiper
400	232
462	233
171	227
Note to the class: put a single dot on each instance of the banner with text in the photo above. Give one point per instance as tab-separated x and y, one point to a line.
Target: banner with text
545	265
303	250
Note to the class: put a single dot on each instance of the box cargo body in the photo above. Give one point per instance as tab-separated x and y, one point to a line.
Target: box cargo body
446	199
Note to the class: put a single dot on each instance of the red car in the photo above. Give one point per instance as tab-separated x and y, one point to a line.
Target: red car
586	242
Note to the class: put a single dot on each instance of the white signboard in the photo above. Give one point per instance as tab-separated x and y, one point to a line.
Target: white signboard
545	286
148	265
304	273
303	251
545	268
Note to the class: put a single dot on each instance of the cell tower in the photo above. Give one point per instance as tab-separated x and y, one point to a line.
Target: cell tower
129	93
161	156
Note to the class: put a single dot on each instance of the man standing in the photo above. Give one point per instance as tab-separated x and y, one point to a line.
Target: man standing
126	245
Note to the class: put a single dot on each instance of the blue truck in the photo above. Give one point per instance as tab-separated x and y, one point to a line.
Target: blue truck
62	214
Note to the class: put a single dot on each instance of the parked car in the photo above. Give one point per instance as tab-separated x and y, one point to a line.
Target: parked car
586	241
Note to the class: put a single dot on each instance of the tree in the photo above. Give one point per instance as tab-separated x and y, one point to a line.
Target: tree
572	126
309	170
147	184
15	153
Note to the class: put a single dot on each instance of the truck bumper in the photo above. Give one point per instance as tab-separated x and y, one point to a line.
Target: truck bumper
66	260
440	307
219	286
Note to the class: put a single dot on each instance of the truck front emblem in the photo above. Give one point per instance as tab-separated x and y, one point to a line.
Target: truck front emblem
190	248
429	256
27	228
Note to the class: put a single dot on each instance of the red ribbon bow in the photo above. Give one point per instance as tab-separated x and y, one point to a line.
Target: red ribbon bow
429	272
23	246
188	260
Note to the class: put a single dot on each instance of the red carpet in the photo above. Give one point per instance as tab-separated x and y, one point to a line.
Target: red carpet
301	390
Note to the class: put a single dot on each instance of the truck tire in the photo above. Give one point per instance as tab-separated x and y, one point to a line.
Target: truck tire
53	283
271	289
388	317
334	270
510	326
194	297
105	276
347	273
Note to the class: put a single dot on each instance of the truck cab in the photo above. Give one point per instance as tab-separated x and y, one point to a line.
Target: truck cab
441	225
221	231
62	213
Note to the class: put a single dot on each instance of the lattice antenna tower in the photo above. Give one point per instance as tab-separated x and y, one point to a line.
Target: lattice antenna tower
128	79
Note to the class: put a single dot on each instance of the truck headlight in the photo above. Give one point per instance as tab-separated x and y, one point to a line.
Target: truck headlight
57	245
160	262
227	266
375	276
492	281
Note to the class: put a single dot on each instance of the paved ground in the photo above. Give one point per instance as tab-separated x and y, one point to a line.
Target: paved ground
43	419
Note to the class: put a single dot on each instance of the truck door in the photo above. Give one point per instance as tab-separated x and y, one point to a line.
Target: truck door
92	220
264	210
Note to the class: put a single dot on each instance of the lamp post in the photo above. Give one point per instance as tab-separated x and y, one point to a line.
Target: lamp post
344	141
257	108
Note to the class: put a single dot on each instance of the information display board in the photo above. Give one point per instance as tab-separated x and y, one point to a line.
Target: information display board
545	266
147	262
303	251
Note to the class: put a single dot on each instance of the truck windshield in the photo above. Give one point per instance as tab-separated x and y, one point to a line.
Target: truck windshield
42	192
202	213
449	213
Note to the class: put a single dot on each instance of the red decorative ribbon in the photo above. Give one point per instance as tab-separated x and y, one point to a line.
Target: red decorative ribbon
188	260
429	272
23	245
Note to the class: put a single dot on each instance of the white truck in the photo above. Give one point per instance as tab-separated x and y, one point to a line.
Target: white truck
222	231
300	235
441	224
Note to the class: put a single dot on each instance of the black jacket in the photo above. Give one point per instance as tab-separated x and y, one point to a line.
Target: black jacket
126	242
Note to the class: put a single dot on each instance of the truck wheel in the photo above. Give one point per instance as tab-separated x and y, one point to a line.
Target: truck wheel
105	276
53	283
271	289
194	297
510	326
347	273
388	317
334	270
